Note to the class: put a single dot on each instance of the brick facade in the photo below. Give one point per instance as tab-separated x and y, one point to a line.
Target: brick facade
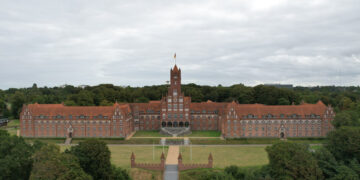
176	110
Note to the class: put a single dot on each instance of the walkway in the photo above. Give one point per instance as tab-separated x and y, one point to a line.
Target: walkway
171	164
172	156
68	141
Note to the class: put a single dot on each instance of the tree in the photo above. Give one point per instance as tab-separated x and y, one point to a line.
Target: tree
17	101
283	101
292	161
49	163
85	98
142	100
344	143
94	158
326	162
15	157
346	118
69	103
105	103
118	173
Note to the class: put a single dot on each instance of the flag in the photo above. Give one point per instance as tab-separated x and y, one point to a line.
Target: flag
175	56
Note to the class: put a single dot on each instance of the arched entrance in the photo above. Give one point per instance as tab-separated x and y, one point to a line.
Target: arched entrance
175	124
186	124
70	134
163	124
169	124
181	124
282	135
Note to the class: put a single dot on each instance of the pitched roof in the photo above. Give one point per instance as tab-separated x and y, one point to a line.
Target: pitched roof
260	109
60	109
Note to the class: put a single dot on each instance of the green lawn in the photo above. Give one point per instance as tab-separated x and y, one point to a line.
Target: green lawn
204	134
10	130
155	133
13	123
46	140
225	156
152	133
12	127
120	155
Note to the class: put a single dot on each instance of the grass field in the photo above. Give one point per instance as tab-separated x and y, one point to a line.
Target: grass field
46	140
14	123
12	127
142	174
225	156
155	133
120	155
10	130
204	134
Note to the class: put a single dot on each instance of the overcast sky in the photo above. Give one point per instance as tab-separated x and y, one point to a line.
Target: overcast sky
305	42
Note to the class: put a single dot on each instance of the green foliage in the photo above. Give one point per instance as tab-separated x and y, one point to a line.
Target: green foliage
49	163
346	118
94	158
118	173
17	101
292	161
326	162
341	98
15	157
105	103
344	143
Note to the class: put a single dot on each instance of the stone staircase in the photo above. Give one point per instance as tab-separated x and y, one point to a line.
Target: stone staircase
175	131
68	141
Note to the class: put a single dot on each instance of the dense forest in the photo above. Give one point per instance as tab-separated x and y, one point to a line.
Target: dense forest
342	98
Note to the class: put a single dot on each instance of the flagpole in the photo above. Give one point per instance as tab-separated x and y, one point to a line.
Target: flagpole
175	58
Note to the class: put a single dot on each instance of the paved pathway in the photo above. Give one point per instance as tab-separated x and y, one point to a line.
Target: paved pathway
171	164
171	172
172	155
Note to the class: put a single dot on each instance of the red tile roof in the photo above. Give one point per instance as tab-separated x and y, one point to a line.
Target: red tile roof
60	109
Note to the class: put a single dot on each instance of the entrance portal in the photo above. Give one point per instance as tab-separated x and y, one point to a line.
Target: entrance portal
163	124
70	134
186	124
175	124
282	135
169	124
181	124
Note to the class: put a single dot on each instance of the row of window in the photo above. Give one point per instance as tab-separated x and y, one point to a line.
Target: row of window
276	128
70	122
268	116
304	121
71	117
308	134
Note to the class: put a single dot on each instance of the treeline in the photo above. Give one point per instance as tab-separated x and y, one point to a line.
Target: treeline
337	160
11	100
89	160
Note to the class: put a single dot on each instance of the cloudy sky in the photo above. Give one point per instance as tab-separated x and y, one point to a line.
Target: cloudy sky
51	43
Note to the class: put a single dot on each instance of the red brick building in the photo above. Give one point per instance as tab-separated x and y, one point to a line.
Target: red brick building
176	110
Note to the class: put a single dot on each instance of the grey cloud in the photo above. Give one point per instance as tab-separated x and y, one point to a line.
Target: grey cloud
132	42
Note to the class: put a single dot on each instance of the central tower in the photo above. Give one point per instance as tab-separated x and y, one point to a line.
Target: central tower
175	82
175	106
